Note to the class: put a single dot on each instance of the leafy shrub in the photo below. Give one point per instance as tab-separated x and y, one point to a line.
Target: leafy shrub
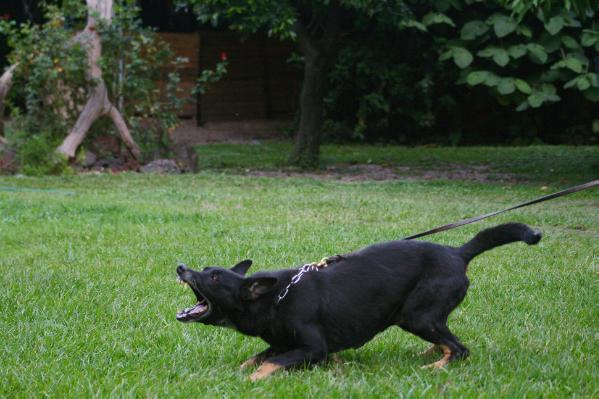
524	73
37	157
140	71
525	60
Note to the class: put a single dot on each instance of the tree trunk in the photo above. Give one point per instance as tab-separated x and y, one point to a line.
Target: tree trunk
307	140
5	83
98	103
318	40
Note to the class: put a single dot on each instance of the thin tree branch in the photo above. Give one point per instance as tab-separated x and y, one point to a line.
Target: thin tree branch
98	103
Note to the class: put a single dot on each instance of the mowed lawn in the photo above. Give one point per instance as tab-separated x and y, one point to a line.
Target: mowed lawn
88	296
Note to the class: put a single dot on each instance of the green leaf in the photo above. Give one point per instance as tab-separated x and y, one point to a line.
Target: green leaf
538	52
571	63
506	86
473	29
477	77
583	83
501	57
524	31
462	57
446	55
442	5
523	86
541	14
433	18
504	26
592	94
412	23
552	75
571	83
491	20
487	52
522	107
542	94
588	38
535	100
570	42
492	80
550	43
555	24
553	97
548	89
570	20
517	50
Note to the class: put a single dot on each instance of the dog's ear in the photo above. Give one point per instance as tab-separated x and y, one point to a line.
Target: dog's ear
242	267
254	288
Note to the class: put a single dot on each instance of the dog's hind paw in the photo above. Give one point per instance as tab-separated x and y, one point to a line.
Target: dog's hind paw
439	364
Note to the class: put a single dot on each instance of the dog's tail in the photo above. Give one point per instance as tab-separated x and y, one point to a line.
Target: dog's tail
496	236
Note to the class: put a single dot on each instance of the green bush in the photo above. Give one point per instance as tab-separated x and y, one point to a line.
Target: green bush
36	155
510	72
50	86
525	60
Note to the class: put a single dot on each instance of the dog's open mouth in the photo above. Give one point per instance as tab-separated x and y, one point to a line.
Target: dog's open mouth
197	312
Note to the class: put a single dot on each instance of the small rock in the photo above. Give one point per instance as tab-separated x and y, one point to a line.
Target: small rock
89	159
161	166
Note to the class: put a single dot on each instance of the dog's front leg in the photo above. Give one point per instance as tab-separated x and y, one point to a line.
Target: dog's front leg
258	359
287	359
312	349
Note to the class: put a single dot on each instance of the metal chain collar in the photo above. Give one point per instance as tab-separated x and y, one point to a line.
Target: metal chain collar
308	267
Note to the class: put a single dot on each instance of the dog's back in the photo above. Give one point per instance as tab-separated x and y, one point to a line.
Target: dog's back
363	293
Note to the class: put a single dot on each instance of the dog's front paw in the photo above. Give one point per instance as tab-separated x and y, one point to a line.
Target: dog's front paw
264	371
252	361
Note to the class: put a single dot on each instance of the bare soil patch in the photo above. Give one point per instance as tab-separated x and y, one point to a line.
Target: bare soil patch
190	133
363	172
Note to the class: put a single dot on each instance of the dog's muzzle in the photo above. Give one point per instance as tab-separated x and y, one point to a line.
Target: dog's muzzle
202	308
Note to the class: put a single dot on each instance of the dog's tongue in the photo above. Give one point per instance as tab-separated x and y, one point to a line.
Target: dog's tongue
196	310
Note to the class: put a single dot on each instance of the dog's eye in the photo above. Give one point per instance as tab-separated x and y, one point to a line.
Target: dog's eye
214	276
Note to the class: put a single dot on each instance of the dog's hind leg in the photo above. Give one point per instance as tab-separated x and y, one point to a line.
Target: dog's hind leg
425	314
439	335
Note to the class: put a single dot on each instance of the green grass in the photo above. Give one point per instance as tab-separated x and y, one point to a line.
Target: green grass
543	163
89	294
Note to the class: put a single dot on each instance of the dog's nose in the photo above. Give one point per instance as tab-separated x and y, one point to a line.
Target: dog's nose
181	268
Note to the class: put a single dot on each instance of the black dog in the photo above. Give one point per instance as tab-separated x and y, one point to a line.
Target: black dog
411	284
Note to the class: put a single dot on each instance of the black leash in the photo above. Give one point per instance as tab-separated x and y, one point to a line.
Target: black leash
326	261
488	215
